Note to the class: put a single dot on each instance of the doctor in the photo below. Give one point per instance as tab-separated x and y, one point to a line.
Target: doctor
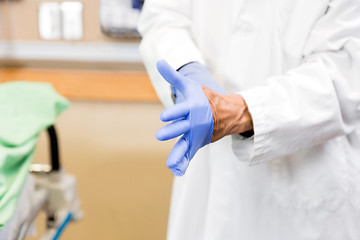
268	110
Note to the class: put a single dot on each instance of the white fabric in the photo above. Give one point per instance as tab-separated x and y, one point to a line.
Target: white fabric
22	212
297	65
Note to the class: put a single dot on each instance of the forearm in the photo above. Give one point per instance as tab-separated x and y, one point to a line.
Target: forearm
165	30
165	27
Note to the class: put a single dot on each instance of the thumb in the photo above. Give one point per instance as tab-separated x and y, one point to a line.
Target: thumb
172	76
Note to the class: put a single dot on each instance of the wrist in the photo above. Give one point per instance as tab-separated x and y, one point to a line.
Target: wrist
240	111
230	114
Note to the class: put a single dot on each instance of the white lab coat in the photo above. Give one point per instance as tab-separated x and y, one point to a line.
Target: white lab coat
297	65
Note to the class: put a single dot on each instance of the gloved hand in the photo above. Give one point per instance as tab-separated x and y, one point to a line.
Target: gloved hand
191	118
200	73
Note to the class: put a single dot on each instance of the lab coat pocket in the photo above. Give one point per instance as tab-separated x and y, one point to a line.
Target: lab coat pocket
311	180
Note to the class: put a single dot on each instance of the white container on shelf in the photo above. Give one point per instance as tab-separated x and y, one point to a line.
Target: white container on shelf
50	21
72	20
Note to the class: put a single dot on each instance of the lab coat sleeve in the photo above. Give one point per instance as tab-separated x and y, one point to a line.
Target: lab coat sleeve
314	102
166	30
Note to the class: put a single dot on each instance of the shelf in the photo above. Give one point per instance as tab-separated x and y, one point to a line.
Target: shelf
111	52
89	84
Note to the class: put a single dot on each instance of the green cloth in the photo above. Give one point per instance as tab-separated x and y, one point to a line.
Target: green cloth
26	109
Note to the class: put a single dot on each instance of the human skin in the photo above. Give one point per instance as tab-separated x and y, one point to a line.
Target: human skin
230	113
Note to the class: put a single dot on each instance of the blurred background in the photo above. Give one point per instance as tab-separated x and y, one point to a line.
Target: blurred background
88	50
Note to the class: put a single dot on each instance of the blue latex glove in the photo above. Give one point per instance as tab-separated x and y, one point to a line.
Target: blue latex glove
192	118
200	73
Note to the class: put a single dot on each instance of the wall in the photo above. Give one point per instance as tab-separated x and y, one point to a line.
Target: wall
123	181
20	43
25	28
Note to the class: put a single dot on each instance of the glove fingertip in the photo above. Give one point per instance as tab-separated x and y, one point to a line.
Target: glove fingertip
164	116
177	154
177	172
164	69
161	64
180	168
160	135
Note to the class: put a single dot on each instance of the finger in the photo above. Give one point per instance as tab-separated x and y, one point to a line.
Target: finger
178	96
179	110
171	76
180	169
173	130
178	152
